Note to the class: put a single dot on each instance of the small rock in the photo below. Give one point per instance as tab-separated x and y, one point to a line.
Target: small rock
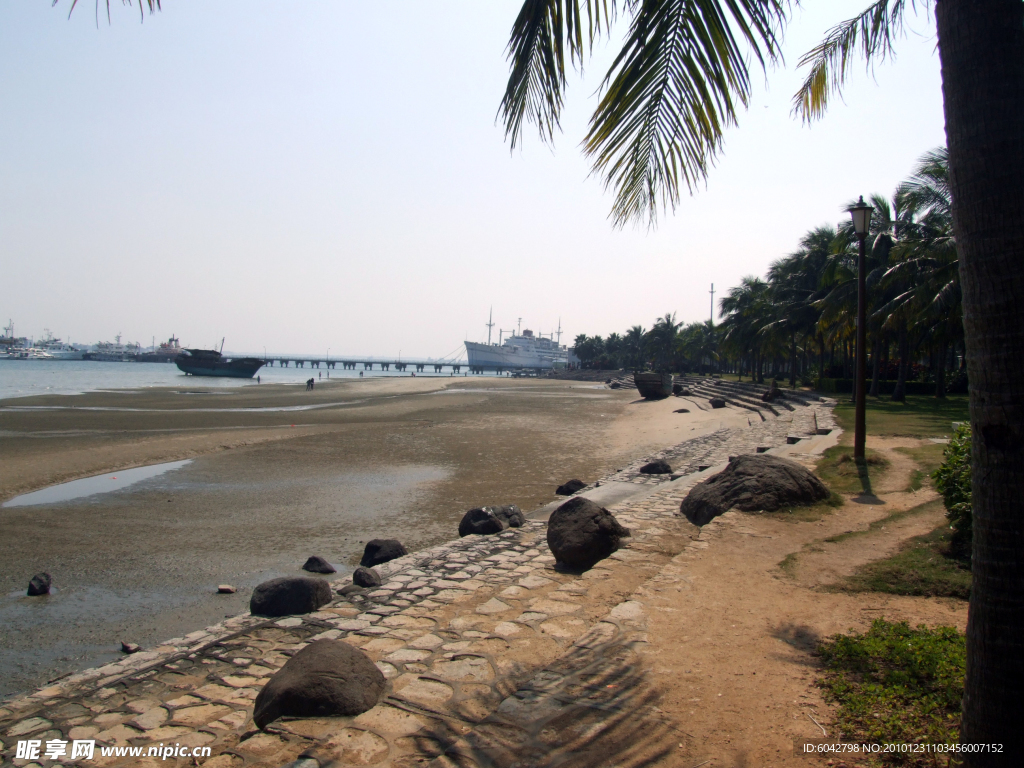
580	533
39	585
129	647
615	385
289	595
571	487
717	402
316	564
484	521
682	410
379	551
365	577
677	389
327	678
350	589
225	589
658	467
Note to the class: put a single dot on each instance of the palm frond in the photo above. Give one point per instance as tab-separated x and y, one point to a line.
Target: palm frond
672	91
542	34
154	5
872	32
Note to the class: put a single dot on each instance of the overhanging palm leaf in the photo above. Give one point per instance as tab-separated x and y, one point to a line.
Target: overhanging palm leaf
873	32
668	96
154	5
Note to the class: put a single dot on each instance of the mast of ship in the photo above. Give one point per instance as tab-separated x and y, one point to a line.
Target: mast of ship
559	332
519	332
222	344
490	324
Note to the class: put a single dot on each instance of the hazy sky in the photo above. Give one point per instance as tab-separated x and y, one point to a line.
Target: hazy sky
299	176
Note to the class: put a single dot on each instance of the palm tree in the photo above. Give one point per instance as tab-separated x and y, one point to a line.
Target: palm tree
634	344
677	84
662	341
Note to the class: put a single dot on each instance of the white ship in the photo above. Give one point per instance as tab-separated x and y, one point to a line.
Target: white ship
115	352
521	350
59	350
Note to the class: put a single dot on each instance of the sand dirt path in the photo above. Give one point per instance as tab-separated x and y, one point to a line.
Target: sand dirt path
734	628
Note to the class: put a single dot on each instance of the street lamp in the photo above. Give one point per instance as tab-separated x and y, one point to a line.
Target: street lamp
861	215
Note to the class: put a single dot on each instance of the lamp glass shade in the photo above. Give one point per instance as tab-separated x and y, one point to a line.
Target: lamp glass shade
861	215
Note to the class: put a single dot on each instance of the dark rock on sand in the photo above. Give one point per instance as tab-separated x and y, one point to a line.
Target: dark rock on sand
365	577
571	487
316	564
379	551
615	385
658	467
129	647
681	410
289	595
677	389
752	483
580	533
39	585
327	678
717	402
484	521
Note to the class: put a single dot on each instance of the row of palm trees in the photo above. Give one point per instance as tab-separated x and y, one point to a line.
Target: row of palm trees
799	322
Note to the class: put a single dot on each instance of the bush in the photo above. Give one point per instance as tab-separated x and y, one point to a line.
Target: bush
953	480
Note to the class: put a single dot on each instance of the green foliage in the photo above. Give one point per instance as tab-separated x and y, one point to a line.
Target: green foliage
953	479
896	684
924	567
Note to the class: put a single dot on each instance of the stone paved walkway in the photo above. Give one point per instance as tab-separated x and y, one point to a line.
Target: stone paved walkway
494	657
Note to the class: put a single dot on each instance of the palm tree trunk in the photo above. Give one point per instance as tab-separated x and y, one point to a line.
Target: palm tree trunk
981	49
899	394
940	369
876	350
821	356
792	361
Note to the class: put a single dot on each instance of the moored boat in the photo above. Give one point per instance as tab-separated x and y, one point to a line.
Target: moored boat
653	386
210	362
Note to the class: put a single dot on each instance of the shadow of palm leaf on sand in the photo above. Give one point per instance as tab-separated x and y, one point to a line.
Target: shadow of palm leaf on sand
596	705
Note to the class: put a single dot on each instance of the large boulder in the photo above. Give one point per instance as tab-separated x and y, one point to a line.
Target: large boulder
717	402
484	521
379	551
327	678
39	585
571	487
752	483
365	577
316	564
580	533
289	595
657	467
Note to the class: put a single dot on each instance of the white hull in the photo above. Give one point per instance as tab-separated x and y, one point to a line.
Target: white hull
494	356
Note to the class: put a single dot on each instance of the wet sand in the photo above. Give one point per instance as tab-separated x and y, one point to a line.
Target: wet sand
277	474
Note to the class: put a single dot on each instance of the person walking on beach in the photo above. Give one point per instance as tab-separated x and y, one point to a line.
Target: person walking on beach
257	379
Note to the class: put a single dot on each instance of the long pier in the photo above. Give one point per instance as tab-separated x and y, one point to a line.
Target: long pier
370	364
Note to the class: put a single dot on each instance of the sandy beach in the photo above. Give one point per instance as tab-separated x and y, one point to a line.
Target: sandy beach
276	474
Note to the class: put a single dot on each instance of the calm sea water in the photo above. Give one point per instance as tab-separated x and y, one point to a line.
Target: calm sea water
23	378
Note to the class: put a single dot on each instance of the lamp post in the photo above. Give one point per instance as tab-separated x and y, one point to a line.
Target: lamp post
861	215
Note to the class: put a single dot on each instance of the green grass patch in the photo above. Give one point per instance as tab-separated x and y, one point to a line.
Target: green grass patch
843	474
896	684
807	514
788	563
919	416
892	517
924	567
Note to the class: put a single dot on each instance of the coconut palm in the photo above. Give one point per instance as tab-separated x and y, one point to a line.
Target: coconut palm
634	346
661	341
679	81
